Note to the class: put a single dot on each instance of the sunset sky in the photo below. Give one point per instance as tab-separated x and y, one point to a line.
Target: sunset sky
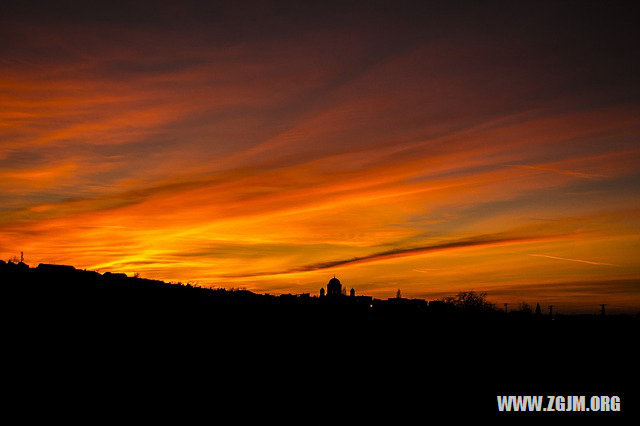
431	148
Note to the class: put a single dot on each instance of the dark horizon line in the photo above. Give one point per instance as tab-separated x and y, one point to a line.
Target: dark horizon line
443	299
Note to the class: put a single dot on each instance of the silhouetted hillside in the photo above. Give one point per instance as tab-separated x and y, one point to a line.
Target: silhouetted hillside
209	344
62	291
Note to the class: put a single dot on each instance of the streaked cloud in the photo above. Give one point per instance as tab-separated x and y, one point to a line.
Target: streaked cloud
262	147
588	262
478	241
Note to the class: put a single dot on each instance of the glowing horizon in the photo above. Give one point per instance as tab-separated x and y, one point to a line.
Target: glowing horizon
433	154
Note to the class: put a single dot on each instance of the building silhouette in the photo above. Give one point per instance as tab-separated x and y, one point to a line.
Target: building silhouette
334	287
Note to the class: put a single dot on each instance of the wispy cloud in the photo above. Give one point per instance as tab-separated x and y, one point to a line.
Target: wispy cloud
477	241
562	171
426	270
588	262
231	144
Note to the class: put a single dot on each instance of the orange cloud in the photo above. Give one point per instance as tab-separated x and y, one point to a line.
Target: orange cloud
393	156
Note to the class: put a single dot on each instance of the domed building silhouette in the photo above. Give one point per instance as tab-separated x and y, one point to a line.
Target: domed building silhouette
335	290
334	287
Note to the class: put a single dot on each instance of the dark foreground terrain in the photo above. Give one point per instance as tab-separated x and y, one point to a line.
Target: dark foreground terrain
84	347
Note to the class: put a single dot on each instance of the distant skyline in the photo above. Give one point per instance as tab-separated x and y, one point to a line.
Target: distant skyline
434	148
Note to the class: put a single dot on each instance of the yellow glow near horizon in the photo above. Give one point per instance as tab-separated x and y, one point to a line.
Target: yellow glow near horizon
273	164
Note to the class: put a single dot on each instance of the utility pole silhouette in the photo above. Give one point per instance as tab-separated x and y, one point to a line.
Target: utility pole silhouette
550	310
602	308
506	307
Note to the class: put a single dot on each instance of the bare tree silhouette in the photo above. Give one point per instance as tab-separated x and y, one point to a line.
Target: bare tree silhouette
470	300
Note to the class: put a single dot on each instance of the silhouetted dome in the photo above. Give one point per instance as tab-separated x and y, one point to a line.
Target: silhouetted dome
334	288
